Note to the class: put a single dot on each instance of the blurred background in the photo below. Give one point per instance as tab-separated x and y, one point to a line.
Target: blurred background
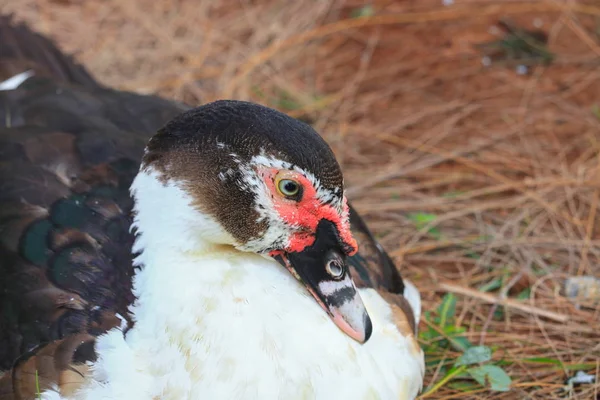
468	131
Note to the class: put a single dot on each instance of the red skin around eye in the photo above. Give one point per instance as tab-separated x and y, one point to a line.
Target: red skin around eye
307	212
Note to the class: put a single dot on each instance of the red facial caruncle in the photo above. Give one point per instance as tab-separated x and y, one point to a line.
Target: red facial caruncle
304	211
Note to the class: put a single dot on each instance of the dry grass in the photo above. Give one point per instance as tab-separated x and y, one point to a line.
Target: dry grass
473	177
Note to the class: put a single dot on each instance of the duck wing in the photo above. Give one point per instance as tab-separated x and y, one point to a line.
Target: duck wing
69	150
372	266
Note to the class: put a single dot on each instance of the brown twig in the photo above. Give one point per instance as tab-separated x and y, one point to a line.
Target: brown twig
491	299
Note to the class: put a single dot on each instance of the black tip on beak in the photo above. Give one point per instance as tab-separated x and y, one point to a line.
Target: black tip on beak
368	327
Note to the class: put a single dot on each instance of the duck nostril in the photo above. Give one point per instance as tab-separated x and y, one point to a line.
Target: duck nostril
334	268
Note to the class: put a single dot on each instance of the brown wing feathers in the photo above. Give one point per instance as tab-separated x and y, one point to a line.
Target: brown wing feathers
68	152
372	266
59	364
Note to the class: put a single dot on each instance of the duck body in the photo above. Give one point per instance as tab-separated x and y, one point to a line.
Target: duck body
256	342
245	329
197	311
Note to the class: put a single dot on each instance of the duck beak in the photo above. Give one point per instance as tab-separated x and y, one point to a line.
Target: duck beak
322	268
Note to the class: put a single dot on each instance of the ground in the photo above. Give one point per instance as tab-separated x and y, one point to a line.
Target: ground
477	165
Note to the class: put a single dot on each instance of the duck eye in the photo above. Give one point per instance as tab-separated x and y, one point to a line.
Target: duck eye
289	188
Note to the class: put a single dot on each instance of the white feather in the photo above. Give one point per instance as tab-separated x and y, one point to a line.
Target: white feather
51	394
212	322
15	81
411	294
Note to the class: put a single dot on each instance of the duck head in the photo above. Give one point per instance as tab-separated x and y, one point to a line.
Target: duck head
271	186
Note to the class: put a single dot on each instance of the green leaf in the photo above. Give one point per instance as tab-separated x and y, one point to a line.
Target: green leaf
258	92
365	11
37	385
430	363
491	285
435	233
286	101
460	343
596	110
463	386
421	219
452	373
498	313
475	355
492	376
543	360
428	334
453	193
427	315
557	363
447	309
525	294
452	330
